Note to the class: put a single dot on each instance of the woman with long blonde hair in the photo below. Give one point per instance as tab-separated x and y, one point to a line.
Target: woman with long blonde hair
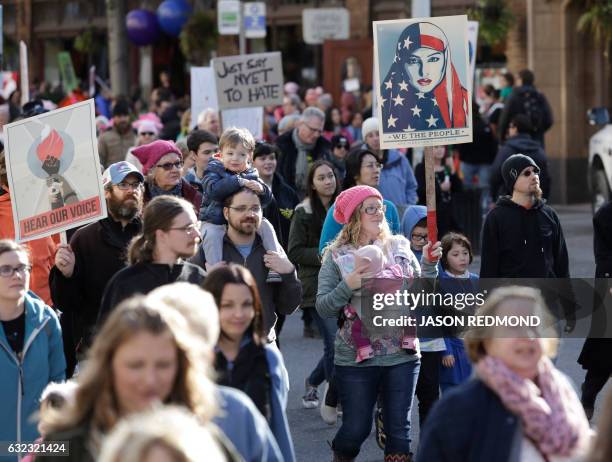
368	360
142	355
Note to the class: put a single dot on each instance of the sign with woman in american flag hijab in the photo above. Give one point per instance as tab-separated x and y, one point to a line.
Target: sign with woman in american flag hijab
423	81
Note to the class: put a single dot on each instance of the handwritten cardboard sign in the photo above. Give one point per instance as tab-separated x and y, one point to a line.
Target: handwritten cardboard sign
249	80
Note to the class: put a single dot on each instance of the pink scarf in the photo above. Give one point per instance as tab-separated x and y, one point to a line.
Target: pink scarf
552	416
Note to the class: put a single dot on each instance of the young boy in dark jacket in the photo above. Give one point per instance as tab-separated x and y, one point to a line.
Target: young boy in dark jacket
223	178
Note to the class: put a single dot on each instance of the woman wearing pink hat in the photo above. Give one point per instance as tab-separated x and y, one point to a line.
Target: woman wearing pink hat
162	164
394	367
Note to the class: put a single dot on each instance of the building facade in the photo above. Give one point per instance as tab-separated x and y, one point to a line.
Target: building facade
571	70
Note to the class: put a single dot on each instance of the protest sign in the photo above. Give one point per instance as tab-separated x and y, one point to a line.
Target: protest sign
69	79
424	87
249	80
203	92
54	171
23	71
472	35
250	118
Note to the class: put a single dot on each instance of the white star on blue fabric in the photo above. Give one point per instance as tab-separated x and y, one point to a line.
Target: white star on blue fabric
391	121
435	103
399	101
388	84
407	43
416	111
395	59
431	121
403	86
409	129
421	95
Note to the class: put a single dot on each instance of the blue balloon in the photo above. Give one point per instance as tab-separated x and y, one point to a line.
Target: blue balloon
142	27
172	16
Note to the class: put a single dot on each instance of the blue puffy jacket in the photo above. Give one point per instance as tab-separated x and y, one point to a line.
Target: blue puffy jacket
219	184
397	181
22	380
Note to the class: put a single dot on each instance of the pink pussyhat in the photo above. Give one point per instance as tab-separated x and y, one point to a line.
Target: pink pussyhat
348	200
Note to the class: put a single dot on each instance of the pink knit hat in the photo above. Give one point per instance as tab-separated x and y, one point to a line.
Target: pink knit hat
149	154
347	201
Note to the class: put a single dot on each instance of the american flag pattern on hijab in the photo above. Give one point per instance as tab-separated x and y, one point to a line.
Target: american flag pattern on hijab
404	107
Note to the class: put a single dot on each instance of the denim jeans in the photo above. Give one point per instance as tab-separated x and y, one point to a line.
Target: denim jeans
358	389
324	370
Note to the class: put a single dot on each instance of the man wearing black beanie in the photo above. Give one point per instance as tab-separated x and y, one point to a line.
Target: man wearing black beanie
113	144
522	235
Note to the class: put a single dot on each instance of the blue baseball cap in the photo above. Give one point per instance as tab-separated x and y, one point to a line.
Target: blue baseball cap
116	173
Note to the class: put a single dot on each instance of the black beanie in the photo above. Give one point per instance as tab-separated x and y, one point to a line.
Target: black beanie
512	168
121	108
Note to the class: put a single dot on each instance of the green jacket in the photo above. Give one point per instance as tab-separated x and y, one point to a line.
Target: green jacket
303	250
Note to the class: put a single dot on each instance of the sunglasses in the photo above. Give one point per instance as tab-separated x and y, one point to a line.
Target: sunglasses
170	165
342	146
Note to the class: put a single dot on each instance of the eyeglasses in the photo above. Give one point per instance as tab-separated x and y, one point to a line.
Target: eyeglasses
373	166
374	209
170	165
125	186
243	209
147	133
419	237
190	228
528	173
313	130
7	271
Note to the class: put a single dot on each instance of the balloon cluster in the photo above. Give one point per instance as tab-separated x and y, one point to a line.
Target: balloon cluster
143	26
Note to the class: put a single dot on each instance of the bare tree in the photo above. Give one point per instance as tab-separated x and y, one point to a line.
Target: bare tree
117	46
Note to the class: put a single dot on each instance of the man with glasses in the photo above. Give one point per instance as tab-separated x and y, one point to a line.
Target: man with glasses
95	253
300	147
242	245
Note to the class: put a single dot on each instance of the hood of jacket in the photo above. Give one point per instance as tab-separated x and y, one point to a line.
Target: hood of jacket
412	216
392	158
523	143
